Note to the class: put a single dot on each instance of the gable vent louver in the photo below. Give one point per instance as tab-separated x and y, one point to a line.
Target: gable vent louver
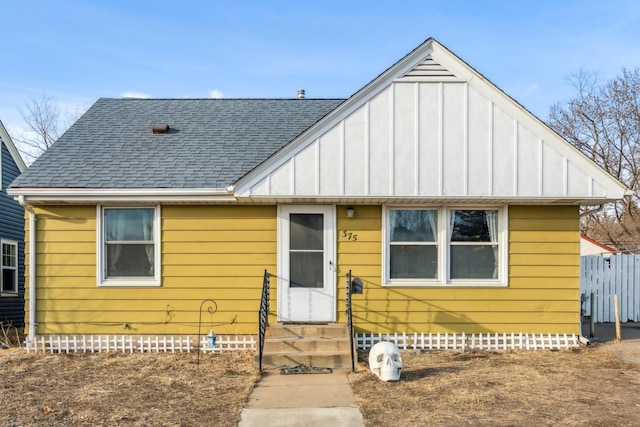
428	71
160	128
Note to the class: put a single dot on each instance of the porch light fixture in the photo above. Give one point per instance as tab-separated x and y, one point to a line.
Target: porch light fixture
350	212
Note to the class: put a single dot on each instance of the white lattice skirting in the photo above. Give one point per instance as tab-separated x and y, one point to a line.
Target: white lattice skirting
139	344
464	342
185	343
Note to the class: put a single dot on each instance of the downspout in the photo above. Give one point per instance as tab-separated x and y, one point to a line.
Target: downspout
32	268
592	211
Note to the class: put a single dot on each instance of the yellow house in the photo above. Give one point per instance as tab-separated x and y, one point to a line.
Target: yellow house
455	206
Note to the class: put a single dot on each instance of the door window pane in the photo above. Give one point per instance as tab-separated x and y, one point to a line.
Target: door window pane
306	269
306	232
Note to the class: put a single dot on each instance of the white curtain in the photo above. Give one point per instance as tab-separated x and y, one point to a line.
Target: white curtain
116	230
452	220
147	229
491	217
432	216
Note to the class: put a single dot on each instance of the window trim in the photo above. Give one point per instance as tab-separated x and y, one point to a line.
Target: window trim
102	280
16	268
444	250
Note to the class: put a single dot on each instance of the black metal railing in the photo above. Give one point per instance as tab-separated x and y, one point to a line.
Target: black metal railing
263	315
350	321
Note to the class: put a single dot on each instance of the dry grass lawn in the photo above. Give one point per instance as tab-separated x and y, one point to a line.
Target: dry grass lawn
124	389
587	387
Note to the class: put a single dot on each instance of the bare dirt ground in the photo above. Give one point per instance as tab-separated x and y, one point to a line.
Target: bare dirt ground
597	385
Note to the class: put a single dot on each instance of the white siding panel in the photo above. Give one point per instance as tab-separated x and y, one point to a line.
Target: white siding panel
380	144
282	179
355	134
330	162
528	163
261	188
404	146
454	128
577	181
479	154
503	153
306	170
553	168
429	139
598	190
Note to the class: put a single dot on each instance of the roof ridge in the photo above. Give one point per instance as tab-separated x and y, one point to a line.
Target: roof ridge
222	99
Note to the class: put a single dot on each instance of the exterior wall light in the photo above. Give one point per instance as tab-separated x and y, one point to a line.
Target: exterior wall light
350	212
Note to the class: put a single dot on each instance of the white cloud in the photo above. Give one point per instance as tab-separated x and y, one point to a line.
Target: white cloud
216	94
134	95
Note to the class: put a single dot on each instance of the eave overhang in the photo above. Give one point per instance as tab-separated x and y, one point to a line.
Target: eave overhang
122	195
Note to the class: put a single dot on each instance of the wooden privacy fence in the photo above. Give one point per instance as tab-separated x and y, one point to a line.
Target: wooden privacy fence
605	277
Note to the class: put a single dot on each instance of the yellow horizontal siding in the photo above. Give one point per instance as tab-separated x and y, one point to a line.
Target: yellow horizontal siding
168	295
538	237
217	252
541	296
221	252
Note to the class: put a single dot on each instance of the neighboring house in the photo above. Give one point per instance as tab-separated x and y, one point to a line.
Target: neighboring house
588	246
11	236
457	208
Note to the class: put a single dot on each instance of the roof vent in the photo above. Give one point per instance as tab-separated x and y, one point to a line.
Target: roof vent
300	93
159	128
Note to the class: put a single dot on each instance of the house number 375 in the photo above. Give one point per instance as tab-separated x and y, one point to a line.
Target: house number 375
349	235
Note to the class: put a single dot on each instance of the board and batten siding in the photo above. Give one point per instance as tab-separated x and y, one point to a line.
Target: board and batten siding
216	252
11	228
542	295
432	139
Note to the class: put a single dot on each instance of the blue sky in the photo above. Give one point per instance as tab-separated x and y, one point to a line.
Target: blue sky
78	51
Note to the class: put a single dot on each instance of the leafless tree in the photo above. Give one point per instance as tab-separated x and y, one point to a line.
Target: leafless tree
603	122
44	123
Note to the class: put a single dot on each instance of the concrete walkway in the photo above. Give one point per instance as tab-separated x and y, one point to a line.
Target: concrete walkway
302	400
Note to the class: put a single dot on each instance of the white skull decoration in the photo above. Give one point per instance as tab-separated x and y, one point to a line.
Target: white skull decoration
385	361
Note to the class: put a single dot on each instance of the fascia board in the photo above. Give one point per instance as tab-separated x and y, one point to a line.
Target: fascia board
120	194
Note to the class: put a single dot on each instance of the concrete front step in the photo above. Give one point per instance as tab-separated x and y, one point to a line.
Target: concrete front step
321	346
316	360
307	344
286	330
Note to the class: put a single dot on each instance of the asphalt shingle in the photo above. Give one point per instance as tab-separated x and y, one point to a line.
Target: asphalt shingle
212	142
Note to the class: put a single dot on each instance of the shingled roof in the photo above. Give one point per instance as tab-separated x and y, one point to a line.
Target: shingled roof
211	142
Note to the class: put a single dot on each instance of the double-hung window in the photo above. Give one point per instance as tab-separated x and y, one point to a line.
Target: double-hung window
9	267
129	246
413	244
444	246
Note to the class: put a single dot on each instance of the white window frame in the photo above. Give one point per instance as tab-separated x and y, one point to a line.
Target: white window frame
15	268
101	272
444	279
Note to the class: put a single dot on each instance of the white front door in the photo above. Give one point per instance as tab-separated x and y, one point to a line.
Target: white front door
306	263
